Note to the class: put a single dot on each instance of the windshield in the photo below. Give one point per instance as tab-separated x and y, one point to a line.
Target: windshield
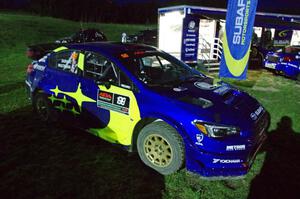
158	69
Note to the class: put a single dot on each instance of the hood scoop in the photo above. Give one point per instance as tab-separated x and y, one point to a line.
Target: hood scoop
204	85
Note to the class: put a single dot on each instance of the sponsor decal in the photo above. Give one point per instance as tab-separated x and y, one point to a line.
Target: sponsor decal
292	65
283	33
113	102
236	147
192	24
106	96
190	32
256	113
39	67
199	138
283	37
224	161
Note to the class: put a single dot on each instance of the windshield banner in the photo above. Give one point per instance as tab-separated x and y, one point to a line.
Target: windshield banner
237	38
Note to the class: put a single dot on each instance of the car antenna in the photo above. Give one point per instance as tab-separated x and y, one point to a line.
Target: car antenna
81	29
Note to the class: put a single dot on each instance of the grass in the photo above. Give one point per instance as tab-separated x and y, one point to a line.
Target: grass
42	161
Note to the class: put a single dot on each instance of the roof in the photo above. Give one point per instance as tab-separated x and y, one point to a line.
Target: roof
263	19
112	48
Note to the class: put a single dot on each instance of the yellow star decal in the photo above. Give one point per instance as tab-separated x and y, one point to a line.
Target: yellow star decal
64	100
52	99
60	107
74	111
55	91
77	95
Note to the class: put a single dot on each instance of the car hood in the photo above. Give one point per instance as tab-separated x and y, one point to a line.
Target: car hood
220	102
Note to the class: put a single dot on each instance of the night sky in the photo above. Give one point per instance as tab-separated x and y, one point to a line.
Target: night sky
276	6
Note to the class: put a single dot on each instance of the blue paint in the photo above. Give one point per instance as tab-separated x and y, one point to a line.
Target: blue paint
231	107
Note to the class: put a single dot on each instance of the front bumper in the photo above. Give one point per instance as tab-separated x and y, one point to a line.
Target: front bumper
270	65
228	163
222	165
28	88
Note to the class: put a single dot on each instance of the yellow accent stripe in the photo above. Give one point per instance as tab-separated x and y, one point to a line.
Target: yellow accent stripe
106	134
120	127
81	61
60	49
235	67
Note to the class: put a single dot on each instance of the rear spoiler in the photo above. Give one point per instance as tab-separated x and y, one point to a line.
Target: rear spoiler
37	51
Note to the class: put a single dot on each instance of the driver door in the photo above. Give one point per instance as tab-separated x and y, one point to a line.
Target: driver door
116	110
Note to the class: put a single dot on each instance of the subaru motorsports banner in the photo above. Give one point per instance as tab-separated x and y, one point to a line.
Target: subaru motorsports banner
283	37
190	40
237	38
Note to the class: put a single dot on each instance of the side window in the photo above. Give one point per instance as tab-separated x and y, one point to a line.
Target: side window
151	61
100	68
65	60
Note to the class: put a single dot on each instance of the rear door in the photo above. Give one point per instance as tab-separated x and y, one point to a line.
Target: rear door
62	78
116	107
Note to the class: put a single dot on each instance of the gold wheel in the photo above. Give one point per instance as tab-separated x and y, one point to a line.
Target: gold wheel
158	150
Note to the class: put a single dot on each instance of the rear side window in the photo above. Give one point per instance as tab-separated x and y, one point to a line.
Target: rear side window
100	68
65	60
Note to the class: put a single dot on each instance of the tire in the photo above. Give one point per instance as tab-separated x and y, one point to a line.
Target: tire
161	148
260	61
298	78
276	72
42	108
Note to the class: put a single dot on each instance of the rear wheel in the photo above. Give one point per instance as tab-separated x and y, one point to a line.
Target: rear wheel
276	72
161	148
298	77
42	107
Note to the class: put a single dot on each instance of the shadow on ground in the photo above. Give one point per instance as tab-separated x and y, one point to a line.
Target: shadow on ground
43	161
280	174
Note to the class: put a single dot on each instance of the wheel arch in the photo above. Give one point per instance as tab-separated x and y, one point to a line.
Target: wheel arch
147	120
35	92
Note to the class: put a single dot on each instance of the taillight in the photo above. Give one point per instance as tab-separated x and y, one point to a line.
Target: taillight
29	69
30	54
287	58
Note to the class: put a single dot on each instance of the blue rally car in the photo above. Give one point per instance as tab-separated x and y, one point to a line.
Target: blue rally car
148	101
285	61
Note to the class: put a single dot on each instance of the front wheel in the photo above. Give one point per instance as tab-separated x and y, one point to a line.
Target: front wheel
161	148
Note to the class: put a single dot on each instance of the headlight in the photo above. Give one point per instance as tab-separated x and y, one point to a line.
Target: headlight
216	131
